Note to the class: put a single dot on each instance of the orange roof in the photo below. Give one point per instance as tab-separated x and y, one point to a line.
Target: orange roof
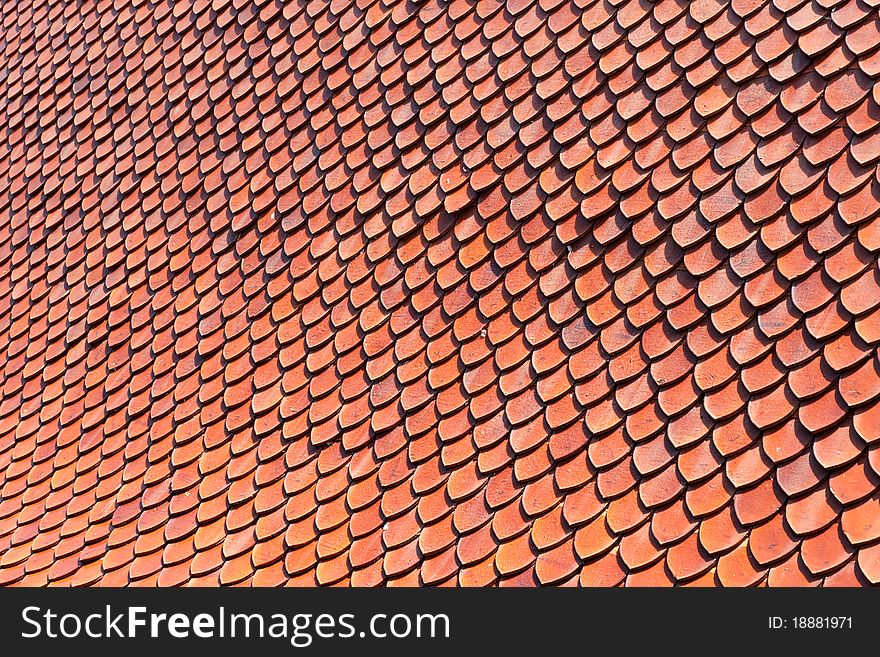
376	292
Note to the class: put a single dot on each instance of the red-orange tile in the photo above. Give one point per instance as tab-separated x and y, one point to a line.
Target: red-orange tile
620	326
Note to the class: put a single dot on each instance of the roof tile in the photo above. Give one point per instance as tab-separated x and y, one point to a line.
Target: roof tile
606	317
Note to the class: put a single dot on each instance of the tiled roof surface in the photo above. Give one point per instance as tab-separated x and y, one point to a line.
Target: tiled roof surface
367	292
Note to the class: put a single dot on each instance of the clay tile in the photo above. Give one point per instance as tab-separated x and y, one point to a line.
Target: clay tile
846	575
720	532
606	571
593	539
820	38
862	38
687	559
708	496
772	540
822	412
558	564
812	512
739	568
840	447
865	423
864	148
858	522
792	572
826	551
772	407
515	555
854	482
846	90
869	562
755	96
756	504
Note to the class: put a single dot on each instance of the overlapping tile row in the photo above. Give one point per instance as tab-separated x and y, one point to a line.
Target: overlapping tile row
458	293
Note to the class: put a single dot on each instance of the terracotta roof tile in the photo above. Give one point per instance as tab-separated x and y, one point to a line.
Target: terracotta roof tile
538	295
